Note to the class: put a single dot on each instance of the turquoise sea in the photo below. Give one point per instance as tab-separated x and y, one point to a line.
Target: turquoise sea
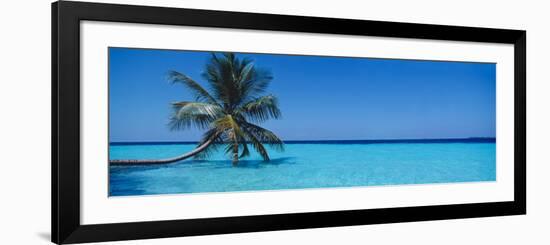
305	164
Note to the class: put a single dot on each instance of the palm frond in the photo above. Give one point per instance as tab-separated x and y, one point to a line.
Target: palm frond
244	68
212	134
261	109
257	144
245	151
230	125
220	73
187	114
234	80
254	83
199	92
264	136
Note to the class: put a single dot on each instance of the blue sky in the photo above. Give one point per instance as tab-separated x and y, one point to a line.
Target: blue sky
321	98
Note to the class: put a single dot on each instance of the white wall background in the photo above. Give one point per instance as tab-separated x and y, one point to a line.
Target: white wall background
25	121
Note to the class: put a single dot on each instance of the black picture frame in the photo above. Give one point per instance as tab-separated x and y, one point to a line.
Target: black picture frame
66	17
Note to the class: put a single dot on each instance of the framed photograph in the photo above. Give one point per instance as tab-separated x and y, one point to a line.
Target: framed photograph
176	122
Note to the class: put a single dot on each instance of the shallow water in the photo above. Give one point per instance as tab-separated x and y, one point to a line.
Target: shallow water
303	165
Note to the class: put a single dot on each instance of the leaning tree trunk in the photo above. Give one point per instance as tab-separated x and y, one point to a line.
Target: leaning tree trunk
163	161
235	154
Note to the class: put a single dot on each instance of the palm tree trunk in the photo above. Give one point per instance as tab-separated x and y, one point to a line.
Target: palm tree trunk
166	160
235	154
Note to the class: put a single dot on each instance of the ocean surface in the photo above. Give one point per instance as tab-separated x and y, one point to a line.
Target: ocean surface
305	164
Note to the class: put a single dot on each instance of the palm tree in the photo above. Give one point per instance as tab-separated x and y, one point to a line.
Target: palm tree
229	111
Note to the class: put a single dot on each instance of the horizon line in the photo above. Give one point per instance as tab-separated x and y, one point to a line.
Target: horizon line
479	139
